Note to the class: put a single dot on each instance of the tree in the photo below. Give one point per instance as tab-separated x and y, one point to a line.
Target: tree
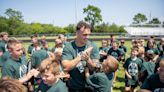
3	24
15	19
139	18
13	14
93	15
104	27
155	21
70	28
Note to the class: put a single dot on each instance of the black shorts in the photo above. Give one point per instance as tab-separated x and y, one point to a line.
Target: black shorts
127	83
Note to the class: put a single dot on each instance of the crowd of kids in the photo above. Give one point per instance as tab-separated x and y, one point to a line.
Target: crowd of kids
79	65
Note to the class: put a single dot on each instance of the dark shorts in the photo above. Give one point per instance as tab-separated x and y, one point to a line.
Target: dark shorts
127	83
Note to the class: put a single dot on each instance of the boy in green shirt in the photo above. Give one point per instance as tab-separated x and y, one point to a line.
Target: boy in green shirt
148	67
151	46
50	73
3	42
103	50
38	55
132	67
100	81
3	45
124	49
34	39
15	66
117	53
156	81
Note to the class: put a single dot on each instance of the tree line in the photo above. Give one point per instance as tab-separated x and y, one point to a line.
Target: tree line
13	23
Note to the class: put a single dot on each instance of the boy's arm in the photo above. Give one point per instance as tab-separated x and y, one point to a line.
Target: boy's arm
127	74
27	77
87	74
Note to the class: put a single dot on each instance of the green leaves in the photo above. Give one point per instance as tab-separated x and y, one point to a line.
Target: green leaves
93	15
139	18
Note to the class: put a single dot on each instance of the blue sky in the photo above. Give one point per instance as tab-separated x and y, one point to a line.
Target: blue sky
62	12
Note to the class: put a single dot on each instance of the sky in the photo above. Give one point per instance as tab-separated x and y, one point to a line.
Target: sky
65	12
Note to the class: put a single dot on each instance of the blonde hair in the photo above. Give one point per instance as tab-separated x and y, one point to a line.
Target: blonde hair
49	64
12	42
3	33
141	50
11	85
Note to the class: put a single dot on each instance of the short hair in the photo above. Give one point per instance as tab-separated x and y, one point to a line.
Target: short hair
149	55
11	85
104	41
49	64
37	44
135	48
34	36
151	40
112	63
12	42
82	24
43	37
60	36
115	41
3	33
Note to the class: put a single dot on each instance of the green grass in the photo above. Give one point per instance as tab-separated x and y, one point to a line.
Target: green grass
54	37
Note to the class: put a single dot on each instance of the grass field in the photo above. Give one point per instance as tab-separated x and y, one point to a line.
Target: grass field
119	86
54	37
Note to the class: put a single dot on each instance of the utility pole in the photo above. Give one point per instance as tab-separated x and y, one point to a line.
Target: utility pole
150	17
75	12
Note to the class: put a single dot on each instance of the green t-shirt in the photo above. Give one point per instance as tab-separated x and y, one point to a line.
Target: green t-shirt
148	67
105	49
37	57
153	84
115	53
70	51
58	87
100	82
30	48
123	48
155	50
4	57
133	67
14	68
3	46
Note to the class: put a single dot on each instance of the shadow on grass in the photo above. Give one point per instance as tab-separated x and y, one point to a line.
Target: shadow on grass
118	89
120	79
120	84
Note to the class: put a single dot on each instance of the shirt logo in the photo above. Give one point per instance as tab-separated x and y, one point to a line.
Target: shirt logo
133	69
22	70
114	54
